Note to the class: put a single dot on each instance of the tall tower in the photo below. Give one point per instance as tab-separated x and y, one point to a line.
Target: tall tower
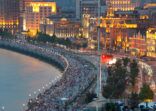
9	15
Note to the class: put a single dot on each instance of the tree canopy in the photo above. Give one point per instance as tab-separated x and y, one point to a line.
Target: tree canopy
5	33
116	81
121	76
146	93
134	70
41	37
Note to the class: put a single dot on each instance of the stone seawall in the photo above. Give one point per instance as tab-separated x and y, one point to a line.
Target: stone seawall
42	54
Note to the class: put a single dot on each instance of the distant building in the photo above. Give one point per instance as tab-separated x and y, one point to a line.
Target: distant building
35	13
137	45
118	26
9	15
151	8
151	42
22	14
61	27
143	20
87	12
123	5
150	5
89	7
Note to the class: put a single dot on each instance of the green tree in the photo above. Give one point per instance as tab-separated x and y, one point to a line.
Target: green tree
85	45
126	61
116	81
41	37
5	33
89	97
110	107
146	93
134	70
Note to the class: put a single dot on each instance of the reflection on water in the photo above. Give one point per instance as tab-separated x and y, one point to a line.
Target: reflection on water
21	75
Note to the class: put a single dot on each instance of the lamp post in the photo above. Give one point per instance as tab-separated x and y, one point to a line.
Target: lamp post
99	89
24	107
29	95
3	108
64	102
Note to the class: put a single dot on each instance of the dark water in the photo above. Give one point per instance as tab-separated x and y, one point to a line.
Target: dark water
21	76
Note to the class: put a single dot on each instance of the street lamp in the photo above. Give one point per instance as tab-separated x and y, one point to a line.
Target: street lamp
24	107
35	92
43	87
39	90
3	108
64	102
99	90
50	83
29	95
46	85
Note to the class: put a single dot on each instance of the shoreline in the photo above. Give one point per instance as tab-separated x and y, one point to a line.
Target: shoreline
40	56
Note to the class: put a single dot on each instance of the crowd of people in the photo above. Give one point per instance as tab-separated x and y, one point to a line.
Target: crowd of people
64	94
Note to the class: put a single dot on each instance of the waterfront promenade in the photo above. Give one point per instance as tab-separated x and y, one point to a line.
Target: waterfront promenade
77	76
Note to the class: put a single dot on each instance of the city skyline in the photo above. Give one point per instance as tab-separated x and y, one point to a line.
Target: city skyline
77	55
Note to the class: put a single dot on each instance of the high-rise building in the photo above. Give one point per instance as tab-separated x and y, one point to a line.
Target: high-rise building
9	14
22	14
35	12
88	7
87	12
123	5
